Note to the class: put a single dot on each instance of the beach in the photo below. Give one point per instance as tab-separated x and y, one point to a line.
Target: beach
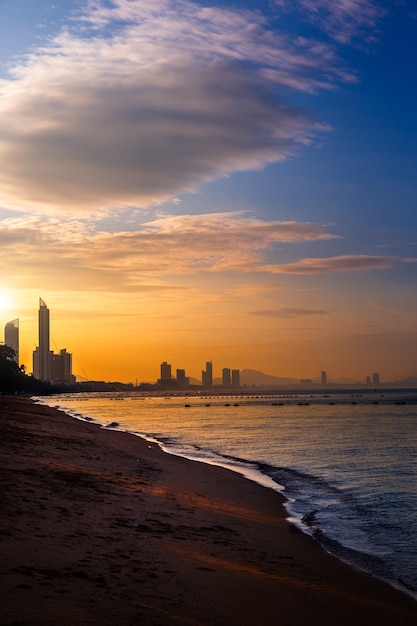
102	527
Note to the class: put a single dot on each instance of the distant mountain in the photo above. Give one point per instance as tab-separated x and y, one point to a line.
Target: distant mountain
254	377
194	381
411	381
345	381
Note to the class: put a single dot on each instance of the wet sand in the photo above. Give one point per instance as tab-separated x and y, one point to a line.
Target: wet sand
101	527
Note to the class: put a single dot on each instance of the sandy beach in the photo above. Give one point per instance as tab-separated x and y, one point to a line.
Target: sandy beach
101	527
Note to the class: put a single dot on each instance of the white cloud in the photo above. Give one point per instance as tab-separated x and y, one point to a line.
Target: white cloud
344	20
140	101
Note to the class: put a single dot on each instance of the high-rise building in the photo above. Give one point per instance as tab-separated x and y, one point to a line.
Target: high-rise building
11	337
235	378
182	379
165	371
375	378
42	354
61	367
226	377
324	378
207	375
54	368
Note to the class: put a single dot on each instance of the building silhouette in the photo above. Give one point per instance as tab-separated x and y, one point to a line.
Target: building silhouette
324	378
47	366
235	378
165	371
375	378
226	377
61	366
207	375
42	354
11	337
182	379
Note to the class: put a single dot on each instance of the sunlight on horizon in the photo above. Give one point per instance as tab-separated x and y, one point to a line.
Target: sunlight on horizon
6	300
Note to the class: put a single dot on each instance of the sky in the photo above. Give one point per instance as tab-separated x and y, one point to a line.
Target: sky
194	180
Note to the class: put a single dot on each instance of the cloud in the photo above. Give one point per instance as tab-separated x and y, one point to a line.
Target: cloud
343	20
344	263
161	250
289	312
138	102
168	245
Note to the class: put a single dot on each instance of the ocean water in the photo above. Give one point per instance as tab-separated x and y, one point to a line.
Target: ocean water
346	462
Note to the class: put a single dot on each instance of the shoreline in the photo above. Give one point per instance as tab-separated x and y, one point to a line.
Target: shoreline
99	527
251	470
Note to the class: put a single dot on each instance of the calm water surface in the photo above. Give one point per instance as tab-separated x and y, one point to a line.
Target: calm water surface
345	462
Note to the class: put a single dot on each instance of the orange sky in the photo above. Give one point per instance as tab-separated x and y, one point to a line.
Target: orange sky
123	337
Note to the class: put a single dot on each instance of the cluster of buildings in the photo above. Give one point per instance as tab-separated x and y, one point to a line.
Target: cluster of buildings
47	366
230	378
57	368
371	381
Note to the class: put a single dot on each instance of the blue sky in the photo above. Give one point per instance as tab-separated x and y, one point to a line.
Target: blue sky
243	171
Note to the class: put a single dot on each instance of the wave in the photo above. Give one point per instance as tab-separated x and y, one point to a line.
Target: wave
342	525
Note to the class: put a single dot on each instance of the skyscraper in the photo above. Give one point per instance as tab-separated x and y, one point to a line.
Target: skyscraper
207	375
324	378
61	367
42	354
182	379
11	336
226	377
53	368
235	378
166	371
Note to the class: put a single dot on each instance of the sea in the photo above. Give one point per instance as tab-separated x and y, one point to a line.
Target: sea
345	460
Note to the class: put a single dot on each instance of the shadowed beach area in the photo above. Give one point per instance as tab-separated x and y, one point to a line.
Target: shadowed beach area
101	527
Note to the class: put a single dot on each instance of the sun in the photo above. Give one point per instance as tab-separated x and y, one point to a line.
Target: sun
5	300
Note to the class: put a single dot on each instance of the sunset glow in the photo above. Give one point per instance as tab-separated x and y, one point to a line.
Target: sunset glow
200	180
5	301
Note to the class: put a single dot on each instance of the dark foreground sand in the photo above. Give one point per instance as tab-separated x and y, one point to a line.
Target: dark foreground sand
100	527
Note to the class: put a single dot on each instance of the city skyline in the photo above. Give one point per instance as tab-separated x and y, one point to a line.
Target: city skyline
46	364
244	191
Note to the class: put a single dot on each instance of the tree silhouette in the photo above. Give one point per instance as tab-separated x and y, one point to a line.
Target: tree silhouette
11	375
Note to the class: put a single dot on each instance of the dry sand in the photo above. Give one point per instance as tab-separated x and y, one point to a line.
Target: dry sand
101	527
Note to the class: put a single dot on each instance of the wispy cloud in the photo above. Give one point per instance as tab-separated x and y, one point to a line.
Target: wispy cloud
343	263
169	246
289	312
140	101
176	245
343	20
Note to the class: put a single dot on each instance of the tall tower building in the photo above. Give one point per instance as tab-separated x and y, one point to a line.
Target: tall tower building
226	377
166	371
42	354
47	366
235	378
324	378
11	336
207	375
